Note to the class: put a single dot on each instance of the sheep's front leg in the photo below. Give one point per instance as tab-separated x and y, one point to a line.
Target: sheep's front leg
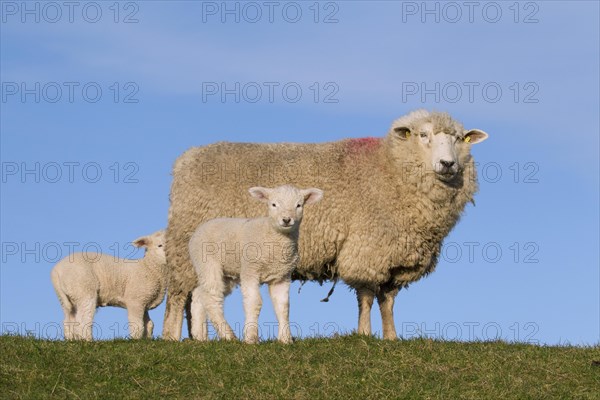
252	305
365	302
385	298
135	314
280	296
148	325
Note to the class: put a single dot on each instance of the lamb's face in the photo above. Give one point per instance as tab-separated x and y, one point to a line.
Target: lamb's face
286	204
157	244
154	243
443	144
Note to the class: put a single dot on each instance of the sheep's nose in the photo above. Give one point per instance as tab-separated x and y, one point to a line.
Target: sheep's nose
286	220
447	164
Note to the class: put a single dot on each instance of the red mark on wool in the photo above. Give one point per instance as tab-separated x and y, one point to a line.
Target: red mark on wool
363	145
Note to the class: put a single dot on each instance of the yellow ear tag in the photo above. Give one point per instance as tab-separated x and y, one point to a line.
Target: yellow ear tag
468	139
407	134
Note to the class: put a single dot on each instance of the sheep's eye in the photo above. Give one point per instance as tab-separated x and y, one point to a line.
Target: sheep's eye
160	245
299	205
273	204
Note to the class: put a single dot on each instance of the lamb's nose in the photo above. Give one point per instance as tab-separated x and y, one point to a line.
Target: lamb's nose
447	164
286	220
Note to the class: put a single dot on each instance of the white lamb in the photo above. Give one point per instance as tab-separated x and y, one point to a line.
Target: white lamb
85	281
228	251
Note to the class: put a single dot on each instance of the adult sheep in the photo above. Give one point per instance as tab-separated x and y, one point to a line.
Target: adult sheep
390	203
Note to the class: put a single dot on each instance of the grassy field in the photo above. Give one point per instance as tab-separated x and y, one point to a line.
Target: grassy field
347	367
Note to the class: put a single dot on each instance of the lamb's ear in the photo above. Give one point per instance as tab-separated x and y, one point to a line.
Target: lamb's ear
312	195
259	193
475	136
402	132
141	242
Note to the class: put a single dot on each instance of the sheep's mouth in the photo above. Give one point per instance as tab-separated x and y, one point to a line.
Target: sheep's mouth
446	176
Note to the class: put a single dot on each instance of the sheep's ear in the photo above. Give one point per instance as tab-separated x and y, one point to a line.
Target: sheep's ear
312	195
474	136
141	242
259	193
402	132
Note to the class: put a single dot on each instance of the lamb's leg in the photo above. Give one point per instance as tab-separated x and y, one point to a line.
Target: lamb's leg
135	314
365	298
213	304
280	296
67	307
70	319
148	326
217	318
85	318
69	323
200	328
385	298
252	304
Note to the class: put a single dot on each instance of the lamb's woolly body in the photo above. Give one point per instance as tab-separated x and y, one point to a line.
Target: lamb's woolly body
274	254
227	251
380	226
85	281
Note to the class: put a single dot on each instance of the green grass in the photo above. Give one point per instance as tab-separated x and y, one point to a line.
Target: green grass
347	367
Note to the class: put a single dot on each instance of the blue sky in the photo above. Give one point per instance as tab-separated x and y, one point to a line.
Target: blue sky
528	75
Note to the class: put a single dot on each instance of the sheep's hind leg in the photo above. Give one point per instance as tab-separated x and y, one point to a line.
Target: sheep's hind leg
280	296
365	298
385	298
173	320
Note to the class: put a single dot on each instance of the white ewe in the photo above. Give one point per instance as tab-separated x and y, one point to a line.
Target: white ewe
85	281
390	203
228	251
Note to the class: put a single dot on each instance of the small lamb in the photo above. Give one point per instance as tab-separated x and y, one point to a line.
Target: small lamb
85	281
228	251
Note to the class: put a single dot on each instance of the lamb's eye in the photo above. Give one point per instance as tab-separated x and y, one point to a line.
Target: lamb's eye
299	205
273	204
160	245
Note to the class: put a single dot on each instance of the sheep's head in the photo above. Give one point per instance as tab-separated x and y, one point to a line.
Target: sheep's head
443	143
154	243
286	204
